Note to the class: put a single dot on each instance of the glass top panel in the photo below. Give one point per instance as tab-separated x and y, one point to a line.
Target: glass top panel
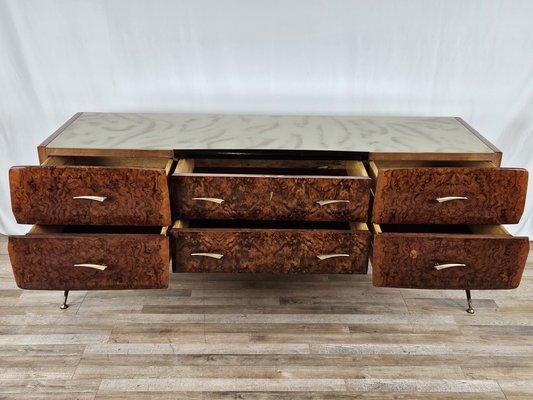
269	132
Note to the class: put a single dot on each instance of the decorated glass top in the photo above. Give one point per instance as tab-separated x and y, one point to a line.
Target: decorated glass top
142	131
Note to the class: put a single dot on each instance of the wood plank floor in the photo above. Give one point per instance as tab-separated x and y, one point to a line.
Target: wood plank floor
265	337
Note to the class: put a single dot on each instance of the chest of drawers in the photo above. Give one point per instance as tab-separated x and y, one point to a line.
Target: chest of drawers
118	195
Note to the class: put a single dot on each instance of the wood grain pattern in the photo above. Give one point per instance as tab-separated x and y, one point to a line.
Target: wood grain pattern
272	251
135	196
256	197
407	260
46	261
408	195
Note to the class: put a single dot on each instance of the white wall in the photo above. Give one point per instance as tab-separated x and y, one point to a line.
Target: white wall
426	57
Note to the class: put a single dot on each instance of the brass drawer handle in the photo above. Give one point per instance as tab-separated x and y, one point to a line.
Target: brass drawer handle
450	198
95	198
95	266
322	257
438	267
210	199
212	255
326	202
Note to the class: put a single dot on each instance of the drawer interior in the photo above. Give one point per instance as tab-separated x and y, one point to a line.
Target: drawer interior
376	165
128	162
264	225
94	229
272	167
440	229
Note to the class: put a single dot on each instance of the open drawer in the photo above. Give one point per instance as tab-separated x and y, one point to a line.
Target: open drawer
92	191
270	190
271	247
447	257
428	192
87	258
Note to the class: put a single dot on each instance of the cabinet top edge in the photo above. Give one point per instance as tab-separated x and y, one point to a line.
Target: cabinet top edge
151	132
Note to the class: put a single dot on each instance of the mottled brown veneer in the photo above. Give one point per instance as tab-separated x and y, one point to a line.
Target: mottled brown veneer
407	260
46	261
270	198
135	196
269	251
408	195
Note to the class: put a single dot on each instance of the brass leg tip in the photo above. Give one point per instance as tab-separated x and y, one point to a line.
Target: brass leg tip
470	311
64	306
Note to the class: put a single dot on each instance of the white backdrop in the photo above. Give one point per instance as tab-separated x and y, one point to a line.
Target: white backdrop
406	57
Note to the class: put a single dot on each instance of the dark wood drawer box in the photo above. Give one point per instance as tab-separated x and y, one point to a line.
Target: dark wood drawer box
447	257
270	190
447	193
86	258
270	247
92	191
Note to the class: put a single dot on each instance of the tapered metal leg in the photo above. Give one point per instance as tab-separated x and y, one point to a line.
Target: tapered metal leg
470	309
64	306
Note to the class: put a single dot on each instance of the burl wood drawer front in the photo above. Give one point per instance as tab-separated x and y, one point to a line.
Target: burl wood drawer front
271	192
72	261
448	261
64	194
449	195
270	251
